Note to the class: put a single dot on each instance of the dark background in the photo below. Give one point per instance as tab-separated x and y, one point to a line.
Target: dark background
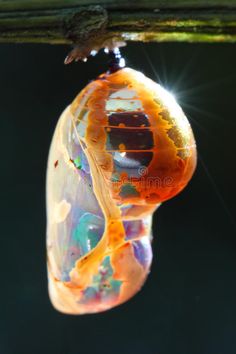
188	304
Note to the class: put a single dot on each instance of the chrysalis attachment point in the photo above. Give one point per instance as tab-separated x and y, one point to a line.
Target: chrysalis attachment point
81	52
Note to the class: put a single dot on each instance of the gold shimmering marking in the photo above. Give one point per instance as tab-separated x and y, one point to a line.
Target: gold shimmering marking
122	146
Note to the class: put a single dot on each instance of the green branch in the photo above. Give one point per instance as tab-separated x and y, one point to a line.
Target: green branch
81	21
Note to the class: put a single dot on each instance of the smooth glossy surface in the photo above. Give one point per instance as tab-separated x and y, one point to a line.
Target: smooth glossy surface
120	149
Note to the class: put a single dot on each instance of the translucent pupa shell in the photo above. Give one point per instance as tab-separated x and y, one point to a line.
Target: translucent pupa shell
120	149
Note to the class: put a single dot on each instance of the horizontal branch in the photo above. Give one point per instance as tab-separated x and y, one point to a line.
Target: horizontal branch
81	21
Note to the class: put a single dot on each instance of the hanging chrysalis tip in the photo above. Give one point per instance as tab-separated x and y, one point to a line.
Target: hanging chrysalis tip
117	62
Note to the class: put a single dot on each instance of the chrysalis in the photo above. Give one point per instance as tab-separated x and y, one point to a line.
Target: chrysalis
121	148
